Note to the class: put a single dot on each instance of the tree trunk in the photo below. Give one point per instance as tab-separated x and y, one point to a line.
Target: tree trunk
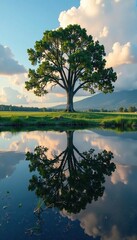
70	139
69	107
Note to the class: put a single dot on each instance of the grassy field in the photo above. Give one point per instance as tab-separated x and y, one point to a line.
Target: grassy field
37	119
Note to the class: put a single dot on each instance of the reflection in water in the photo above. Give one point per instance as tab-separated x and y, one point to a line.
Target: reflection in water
112	217
8	162
71	179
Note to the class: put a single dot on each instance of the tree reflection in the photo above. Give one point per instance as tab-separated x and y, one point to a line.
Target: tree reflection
72	179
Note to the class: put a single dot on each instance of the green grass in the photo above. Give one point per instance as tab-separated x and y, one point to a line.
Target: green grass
39	119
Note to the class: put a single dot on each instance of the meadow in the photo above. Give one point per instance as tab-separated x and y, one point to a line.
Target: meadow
84	119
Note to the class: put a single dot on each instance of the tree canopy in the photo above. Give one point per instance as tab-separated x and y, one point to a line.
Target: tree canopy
69	58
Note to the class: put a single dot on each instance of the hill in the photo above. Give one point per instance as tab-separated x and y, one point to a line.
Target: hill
110	101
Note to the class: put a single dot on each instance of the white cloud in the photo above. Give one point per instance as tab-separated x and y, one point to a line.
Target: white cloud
91	8
19	79
121	174
113	22
3	97
121	54
127	77
8	65
12	96
54	141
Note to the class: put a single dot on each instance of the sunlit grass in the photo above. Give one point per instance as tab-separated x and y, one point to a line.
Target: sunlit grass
64	118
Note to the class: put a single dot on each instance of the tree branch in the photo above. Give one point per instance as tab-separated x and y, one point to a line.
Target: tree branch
80	86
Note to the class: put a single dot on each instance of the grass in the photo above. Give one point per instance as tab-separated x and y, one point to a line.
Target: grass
40	119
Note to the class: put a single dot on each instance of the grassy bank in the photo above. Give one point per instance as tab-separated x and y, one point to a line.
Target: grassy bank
39	119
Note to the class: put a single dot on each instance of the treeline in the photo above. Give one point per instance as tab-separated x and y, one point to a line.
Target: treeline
36	109
130	109
21	108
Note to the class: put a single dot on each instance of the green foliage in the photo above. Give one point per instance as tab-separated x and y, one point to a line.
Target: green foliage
71	59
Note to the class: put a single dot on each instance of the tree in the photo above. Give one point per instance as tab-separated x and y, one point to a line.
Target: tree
70	180
121	109
132	109
71	59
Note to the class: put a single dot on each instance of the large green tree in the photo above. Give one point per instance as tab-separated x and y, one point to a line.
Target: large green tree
69	58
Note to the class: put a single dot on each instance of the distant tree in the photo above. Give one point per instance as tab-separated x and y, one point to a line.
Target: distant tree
121	109
132	109
104	110
125	110
71	59
10	108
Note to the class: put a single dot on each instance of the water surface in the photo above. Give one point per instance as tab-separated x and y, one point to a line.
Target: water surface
109	211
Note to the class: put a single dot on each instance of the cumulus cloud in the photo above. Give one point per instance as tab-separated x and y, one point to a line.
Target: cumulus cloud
12	96
55	142
121	174
121	54
8	164
113	24
8	65
108	218
19	79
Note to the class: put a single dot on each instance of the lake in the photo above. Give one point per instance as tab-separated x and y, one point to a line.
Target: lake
68	185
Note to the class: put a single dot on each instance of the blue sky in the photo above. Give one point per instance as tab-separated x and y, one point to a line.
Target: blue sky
22	22
112	22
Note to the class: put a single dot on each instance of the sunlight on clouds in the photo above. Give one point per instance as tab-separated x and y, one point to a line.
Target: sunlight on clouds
121	174
15	146
60	95
114	234
88	221
90	225
102	145
53	141
121	54
91	7
19	79
6	135
113	24
68	16
85	15
104	32
3	97
122	152
103	218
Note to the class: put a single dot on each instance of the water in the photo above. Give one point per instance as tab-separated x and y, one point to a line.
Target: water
68	199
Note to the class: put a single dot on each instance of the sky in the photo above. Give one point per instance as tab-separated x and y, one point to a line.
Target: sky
22	22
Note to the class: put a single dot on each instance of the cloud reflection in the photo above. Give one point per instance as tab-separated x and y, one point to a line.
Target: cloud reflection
123	146
8	162
113	216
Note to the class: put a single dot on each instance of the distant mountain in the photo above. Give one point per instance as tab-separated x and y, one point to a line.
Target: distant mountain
109	101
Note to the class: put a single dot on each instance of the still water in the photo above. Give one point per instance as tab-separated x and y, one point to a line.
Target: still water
63	185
